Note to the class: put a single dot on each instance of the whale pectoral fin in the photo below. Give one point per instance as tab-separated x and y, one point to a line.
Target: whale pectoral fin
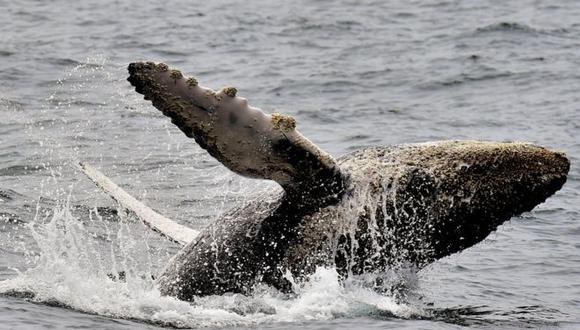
159	223
243	138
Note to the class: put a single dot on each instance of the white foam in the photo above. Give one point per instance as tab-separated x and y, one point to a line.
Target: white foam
73	265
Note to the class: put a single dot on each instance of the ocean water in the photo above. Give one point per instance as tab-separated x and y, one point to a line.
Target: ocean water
352	73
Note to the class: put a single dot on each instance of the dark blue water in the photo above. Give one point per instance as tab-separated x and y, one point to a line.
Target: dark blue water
353	74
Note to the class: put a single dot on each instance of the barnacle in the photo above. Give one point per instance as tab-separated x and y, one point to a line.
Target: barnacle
282	122
192	82
230	91
175	74
162	67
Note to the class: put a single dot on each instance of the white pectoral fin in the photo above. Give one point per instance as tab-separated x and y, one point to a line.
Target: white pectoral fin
156	221
243	138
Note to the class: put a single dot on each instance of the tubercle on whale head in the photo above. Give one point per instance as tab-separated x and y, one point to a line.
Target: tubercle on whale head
243	138
283	122
191	82
176	74
230	91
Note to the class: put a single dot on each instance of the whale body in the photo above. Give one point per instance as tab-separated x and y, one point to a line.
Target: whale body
364	212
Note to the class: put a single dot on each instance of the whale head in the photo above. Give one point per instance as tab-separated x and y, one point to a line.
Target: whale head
472	187
434	199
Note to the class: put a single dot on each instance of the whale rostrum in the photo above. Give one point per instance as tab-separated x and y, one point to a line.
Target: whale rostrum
364	212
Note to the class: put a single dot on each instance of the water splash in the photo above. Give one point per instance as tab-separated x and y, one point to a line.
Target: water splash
77	264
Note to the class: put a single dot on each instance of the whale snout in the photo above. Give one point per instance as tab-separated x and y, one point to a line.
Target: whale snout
553	169
560	162
548	161
535	173
514	177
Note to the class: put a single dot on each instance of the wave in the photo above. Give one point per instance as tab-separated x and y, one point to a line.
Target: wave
6	53
464	78
6	103
18	170
515	27
9	194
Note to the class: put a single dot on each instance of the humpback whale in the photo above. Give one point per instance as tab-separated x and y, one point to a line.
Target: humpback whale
363	212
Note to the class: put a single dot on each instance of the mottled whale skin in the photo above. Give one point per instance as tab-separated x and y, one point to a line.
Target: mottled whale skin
365	212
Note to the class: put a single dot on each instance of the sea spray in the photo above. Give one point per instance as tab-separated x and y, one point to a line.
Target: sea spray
75	268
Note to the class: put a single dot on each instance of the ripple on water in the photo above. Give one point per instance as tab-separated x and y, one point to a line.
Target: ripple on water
515	27
20	170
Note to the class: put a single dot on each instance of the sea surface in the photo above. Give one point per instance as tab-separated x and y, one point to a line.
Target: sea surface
353	74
